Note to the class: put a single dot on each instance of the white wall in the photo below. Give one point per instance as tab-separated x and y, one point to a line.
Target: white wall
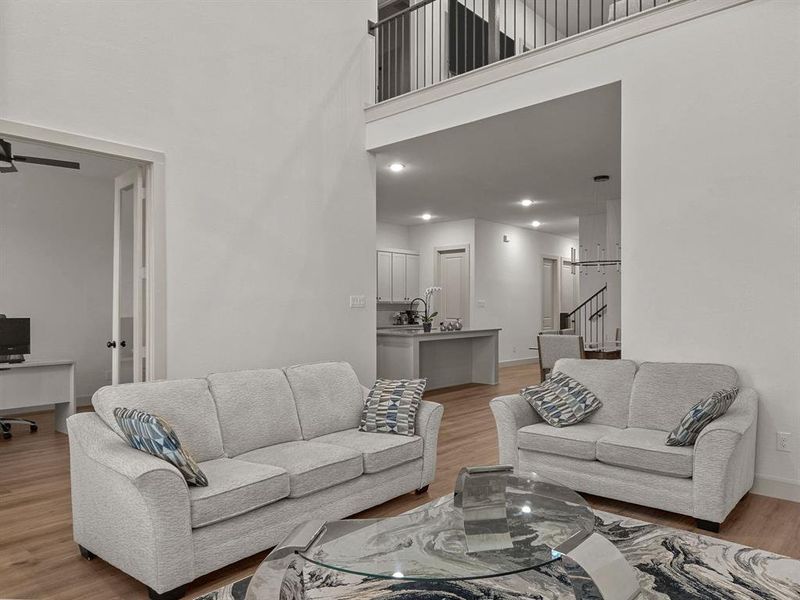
270	196
505	278
56	242
428	237
390	236
710	223
508	283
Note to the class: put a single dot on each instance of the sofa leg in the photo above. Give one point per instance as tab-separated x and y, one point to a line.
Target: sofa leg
175	594
708	526
421	490
86	553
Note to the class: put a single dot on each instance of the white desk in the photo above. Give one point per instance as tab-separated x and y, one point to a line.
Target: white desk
39	383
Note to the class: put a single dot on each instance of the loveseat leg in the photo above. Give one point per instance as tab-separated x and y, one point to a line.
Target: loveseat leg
711	526
88	555
175	594
421	490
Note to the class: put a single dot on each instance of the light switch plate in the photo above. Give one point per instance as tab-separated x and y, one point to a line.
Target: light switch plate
358	301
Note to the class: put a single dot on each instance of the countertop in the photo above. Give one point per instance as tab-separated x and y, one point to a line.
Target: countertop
407	332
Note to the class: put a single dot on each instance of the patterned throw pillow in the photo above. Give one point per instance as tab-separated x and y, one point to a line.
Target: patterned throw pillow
561	401
391	406
700	415
152	434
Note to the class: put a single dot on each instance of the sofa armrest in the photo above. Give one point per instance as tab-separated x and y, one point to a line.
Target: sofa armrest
129	508
511	413
429	418
724	459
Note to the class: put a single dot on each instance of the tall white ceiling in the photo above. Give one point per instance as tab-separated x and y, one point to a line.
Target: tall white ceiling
549	153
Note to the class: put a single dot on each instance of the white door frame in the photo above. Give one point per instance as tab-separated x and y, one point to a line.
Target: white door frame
155	194
556	289
437	251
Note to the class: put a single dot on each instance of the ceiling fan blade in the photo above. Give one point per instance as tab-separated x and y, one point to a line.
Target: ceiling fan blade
50	162
5	151
11	169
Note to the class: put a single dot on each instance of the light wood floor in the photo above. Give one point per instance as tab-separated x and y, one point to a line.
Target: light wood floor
38	558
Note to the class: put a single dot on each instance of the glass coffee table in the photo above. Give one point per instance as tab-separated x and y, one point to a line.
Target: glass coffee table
497	523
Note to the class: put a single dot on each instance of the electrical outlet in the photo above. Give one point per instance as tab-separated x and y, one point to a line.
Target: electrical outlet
514	349
782	441
358	301
481	303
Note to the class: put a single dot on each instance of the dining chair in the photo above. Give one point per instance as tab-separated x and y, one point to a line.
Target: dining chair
553	347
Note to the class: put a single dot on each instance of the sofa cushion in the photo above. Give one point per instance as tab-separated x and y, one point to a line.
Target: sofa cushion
609	380
577	441
391	406
234	488
311	466
645	450
663	393
328	396
561	401
380	451
700	415
185	404
256	409
152	434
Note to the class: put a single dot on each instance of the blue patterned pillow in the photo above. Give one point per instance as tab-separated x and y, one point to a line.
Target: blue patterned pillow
561	401
152	434
391	406
700	415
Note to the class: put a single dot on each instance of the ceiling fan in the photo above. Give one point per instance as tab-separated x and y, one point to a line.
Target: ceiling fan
7	160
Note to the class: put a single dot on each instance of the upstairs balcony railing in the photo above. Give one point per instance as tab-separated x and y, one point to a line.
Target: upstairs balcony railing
428	41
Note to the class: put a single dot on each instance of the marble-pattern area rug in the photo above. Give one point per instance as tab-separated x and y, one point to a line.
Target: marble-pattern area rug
671	565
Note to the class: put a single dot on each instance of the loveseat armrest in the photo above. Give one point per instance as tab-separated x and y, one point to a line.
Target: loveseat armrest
129	508
429	419
724	459
511	413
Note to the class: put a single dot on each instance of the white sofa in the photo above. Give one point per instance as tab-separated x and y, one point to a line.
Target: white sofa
620	452
279	447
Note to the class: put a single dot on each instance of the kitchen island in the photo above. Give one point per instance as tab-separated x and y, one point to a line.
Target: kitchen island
444	358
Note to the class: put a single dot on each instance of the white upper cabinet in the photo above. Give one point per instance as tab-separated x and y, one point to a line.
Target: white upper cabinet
412	276
384	276
398	276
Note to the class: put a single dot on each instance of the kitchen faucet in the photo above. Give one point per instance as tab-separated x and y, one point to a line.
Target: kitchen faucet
411	306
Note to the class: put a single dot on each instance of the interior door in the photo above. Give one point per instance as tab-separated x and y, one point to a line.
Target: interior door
128	343
549	301
569	288
453	277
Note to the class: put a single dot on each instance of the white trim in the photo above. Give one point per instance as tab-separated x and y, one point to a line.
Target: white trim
777	487
153	162
519	361
621	30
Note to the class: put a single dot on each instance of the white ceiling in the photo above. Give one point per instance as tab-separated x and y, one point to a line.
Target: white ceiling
549	153
92	165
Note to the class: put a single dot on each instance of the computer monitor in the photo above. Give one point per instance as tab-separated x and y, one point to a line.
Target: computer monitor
15	339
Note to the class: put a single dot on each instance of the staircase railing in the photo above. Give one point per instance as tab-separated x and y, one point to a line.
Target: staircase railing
589	318
429	41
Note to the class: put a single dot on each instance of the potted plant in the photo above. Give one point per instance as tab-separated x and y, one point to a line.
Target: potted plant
427	319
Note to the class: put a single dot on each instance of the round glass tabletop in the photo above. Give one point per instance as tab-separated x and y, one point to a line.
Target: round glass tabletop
499	523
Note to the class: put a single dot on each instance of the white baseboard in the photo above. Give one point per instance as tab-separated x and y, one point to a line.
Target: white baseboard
519	361
777	488
29	410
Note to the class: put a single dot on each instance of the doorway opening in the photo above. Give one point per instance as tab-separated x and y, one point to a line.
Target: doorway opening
82	256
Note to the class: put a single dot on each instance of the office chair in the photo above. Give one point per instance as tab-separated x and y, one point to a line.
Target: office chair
6	423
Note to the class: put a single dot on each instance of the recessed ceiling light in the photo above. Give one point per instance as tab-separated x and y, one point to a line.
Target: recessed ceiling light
398	575
526	509
535	224
527	202
426	217
396	167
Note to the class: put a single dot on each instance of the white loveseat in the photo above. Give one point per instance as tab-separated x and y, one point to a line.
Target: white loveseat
278	446
620	452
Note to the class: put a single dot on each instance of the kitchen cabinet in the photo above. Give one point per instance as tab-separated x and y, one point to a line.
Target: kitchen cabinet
384	276
412	276
398	276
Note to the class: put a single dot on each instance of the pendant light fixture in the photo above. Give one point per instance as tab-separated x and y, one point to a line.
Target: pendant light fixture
601	261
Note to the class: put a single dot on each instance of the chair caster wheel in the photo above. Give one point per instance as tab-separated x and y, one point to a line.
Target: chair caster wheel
34	428
6	435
